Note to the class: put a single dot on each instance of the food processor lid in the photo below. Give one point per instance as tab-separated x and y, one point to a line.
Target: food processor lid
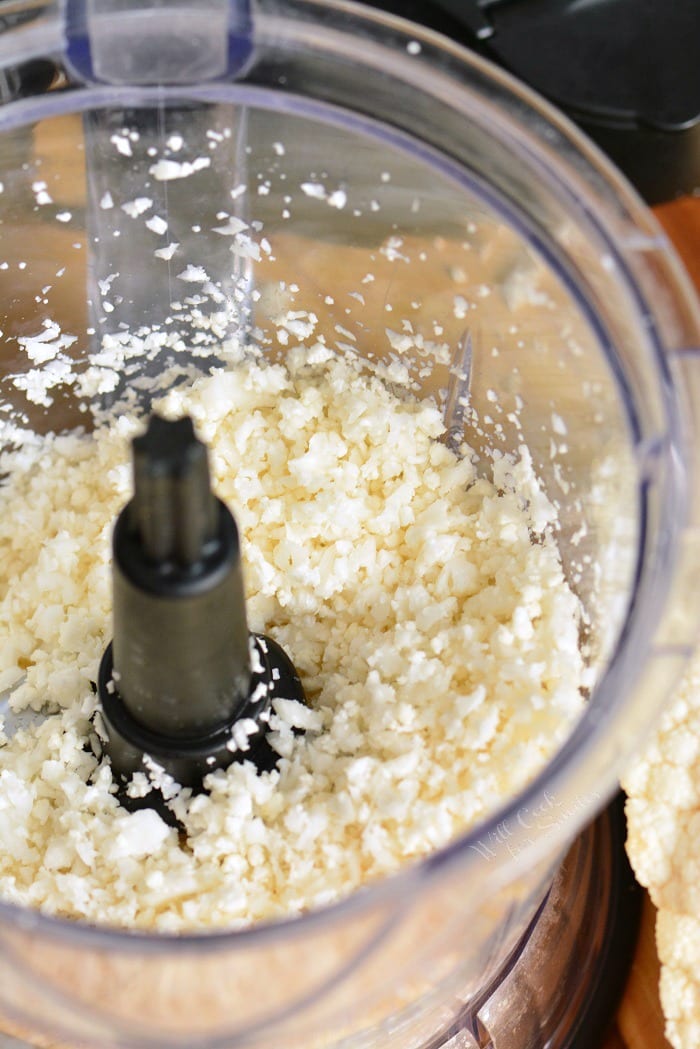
625	70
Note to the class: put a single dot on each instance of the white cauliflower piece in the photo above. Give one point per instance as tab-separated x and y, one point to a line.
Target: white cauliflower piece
678	940
663	843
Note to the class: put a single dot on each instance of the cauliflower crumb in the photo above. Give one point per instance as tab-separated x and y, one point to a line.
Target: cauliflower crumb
437	644
167	170
157	225
134	208
167	252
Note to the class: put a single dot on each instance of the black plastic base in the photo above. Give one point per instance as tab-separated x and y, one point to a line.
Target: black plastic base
170	763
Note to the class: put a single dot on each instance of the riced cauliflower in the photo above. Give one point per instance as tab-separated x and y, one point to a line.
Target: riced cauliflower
424	607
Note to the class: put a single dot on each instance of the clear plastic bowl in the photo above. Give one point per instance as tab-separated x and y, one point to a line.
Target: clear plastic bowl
366	146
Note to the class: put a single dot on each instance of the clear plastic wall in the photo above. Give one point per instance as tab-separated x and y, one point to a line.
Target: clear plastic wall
419	211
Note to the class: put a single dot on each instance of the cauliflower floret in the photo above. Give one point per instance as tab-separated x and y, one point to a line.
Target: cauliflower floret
678	939
663	818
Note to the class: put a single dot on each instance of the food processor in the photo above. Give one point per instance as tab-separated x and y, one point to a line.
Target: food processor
435	220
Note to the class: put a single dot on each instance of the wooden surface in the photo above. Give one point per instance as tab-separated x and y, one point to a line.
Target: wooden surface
681	220
640	1023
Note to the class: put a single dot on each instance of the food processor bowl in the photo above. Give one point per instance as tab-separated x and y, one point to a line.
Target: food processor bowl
199	177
